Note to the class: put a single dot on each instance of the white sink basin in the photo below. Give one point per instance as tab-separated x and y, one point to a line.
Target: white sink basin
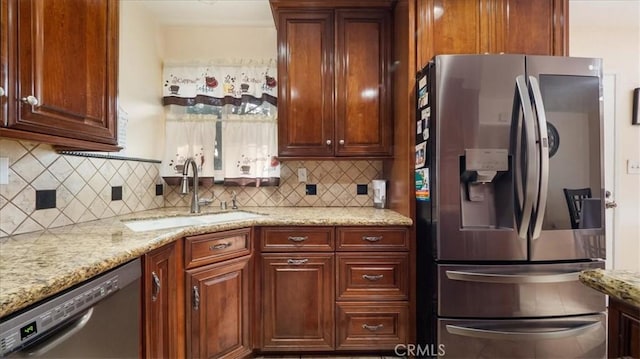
181	221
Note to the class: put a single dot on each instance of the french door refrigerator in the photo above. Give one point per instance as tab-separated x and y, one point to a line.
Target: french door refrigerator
499	138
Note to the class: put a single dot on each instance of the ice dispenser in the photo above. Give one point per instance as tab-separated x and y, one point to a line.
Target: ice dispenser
486	190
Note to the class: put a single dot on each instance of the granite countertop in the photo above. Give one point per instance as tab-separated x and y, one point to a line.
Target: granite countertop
619	284
36	265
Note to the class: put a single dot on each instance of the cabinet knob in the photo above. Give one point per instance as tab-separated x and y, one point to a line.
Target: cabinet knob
1	91
328	142
341	142
31	100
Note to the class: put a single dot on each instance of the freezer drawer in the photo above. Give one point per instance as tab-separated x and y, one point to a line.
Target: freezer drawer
569	337
530	290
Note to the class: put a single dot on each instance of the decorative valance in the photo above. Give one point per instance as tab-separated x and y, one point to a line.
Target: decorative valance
220	83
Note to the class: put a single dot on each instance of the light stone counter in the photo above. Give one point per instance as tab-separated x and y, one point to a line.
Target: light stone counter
36	265
619	284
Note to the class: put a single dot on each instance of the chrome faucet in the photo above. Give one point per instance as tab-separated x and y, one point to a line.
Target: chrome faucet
234	204
195	203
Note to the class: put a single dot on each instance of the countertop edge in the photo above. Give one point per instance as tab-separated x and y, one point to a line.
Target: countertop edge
21	299
621	285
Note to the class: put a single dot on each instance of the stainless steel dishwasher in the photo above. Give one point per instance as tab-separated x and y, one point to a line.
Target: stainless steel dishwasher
99	318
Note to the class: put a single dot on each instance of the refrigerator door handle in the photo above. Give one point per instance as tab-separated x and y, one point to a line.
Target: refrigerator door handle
543	153
524	190
527	333
513	278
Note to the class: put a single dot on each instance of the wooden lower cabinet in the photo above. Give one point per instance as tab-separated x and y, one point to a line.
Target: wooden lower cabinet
328	289
298	302
218	309
162	315
371	325
624	330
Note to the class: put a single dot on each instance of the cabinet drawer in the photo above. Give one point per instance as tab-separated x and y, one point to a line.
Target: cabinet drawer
288	239
215	247
373	276
371	325
372	239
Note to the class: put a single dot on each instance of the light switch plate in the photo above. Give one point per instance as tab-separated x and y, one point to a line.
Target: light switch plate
4	170
633	167
302	174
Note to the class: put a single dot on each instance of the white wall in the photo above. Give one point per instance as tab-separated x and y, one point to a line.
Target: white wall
185	44
610	29
140	81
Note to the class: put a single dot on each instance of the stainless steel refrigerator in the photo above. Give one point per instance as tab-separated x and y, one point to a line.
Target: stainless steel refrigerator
509	204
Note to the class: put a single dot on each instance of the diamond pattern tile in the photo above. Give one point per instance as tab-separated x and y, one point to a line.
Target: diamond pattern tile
83	187
336	185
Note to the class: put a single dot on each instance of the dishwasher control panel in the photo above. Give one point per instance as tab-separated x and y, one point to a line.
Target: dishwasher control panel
63	309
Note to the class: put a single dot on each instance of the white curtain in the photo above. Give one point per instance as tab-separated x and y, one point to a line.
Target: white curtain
231	101
189	136
250	148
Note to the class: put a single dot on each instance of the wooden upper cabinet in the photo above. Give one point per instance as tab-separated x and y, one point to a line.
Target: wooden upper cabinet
531	27
4	60
491	26
305	69
62	62
334	96
363	47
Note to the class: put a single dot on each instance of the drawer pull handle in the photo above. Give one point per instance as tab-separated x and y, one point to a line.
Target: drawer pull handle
298	238
372	238
372	328
372	278
297	261
156	286
220	246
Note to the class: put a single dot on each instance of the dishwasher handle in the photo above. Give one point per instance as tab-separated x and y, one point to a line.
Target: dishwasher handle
41	348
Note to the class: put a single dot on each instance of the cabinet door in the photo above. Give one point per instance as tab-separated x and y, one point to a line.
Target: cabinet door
298	302
450	27
491	26
161	305
305	72
624	330
218	304
363	52
531	27
67	53
4	60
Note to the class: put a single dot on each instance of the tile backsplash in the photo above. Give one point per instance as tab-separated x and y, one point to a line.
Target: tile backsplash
83	187
89	188
336	186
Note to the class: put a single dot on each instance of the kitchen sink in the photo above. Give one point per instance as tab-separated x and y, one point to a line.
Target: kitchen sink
191	220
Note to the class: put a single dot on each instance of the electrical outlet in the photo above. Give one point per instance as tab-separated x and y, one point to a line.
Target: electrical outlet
302	174
4	170
633	167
